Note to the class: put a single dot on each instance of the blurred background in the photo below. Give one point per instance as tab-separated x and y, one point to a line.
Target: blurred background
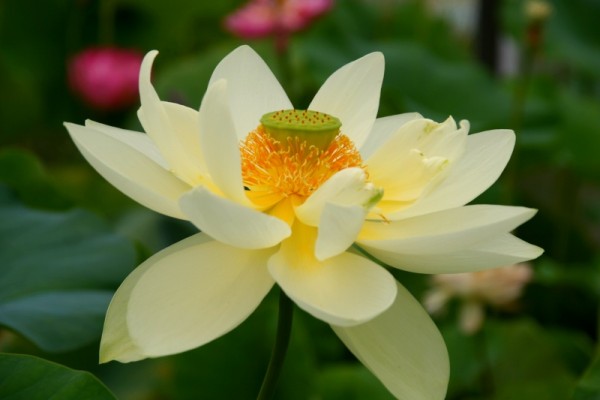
68	238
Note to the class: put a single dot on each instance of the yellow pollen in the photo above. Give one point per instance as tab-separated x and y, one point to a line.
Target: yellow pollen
274	171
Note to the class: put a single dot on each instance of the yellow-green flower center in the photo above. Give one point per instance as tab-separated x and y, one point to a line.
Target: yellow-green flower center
313	127
292	153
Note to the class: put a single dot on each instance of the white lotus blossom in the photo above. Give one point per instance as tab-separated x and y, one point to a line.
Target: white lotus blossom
278	202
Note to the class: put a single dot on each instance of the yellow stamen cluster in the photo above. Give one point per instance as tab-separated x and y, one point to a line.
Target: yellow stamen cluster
275	170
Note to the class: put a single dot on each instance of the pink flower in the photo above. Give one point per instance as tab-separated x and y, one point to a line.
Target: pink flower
261	18
105	78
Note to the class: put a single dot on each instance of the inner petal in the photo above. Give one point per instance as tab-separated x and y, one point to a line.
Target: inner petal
422	152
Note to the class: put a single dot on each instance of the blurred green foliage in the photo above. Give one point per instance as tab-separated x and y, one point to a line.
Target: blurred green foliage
32	378
58	274
60	258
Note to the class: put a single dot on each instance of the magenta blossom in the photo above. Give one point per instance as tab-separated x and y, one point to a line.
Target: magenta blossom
105	78
261	18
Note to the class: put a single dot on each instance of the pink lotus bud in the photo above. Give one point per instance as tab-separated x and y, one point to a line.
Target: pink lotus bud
258	18
297	14
311	8
261	18
106	78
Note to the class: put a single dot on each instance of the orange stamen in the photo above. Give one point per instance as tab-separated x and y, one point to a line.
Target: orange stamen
273	170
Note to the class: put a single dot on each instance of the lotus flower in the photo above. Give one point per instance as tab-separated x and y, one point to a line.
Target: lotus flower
281	195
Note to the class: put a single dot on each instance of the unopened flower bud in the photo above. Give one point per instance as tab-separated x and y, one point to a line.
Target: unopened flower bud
106	78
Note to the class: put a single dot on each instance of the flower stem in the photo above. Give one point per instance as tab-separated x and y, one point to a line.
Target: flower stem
106	22
284	330
487	374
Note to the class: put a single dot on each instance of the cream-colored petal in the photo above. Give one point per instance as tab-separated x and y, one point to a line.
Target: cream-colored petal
157	124
253	90
185	124
136	140
346	187
433	138
152	115
445	139
220	144
443	231
416	157
232	223
383	129
344	290
116	342
484	159
183	297
504	249
352	94
338	228
403	348
409	177
129	168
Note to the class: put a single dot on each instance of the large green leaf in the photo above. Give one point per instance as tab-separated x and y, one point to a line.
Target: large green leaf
57	274
24	377
526	361
24	173
467	360
588	387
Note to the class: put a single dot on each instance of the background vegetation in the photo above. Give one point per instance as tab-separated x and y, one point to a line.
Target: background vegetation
68	238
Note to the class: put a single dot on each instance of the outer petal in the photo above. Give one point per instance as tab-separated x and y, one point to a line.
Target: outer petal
183	297
136	140
485	158
352	95
184	121
344	290
135	171
231	223
495	252
253	89
220	144
157	124
383	129
403	349
445	231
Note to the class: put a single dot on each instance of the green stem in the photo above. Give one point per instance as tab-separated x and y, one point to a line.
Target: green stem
106	22
284	330
517	116
487	374
569	186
